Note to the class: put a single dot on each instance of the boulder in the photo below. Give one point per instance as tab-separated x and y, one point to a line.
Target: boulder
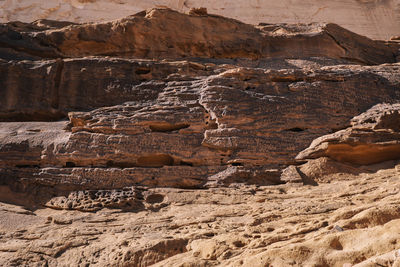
372	138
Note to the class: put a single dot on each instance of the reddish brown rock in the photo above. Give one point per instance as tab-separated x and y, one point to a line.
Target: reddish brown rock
171	162
202	11
174	35
372	18
48	90
373	138
189	130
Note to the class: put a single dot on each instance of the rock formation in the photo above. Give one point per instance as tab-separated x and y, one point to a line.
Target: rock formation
184	140
372	138
378	19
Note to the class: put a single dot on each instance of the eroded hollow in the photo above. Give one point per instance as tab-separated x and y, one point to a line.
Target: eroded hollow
142	71
363	154
27	166
120	164
148	161
167	127
156	160
70	164
295	129
154	198
186	163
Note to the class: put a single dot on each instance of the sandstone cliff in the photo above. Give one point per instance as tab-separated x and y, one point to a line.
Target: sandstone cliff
163	33
378	19
197	140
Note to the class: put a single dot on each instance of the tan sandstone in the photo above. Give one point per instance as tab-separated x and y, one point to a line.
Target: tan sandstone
376	19
170	139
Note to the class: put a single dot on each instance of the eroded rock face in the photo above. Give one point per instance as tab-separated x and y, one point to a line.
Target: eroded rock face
184	130
108	128
368	145
373	137
373	18
174	35
195	123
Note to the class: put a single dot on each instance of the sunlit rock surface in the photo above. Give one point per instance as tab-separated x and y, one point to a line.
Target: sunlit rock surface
378	19
168	139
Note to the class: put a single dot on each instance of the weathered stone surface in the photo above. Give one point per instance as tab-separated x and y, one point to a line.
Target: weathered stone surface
168	161
34	91
229	125
254	175
174	35
194	127
128	199
327	170
291	174
234	117
48	90
345	221
373	137
375	19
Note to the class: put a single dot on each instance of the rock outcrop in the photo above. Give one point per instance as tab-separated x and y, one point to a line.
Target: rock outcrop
369	144
376	19
373	137
201	122
163	33
108	131
181	129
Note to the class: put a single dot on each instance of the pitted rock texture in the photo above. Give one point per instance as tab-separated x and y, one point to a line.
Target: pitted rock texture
231	124
351	220
133	199
170	140
191	123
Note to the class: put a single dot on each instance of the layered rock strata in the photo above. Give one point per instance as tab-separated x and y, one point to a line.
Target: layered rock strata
205	121
180	130
369	144
125	119
174	35
373	18
372	138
